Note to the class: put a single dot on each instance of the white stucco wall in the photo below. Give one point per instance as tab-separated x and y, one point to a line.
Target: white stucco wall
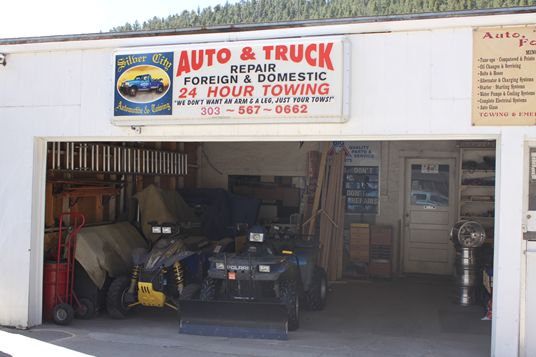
409	80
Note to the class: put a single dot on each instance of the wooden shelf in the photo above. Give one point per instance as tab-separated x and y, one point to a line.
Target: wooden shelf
477	186
476	199
476	202
476	218
479	171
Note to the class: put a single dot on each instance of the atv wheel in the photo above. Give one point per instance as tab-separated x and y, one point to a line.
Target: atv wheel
315	298
85	310
289	296
63	314
209	289
160	89
115	299
190	291
132	91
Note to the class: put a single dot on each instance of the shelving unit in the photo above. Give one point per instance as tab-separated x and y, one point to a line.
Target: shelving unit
477	185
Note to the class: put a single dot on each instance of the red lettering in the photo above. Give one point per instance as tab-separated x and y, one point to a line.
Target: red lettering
233	91
212	92
268	51
184	64
309	55
296	53
314	54
224	55
195	59
281	53
210	55
324	56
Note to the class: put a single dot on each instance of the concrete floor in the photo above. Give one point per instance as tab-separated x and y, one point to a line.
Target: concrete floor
412	316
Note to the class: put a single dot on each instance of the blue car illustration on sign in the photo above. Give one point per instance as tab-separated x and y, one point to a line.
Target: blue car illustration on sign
142	82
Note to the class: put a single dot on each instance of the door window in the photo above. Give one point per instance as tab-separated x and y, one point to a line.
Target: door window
430	185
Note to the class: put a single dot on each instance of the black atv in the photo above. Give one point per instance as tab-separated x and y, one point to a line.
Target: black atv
257	293
173	268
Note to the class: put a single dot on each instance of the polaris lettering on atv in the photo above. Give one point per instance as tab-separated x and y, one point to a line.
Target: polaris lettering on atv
238	267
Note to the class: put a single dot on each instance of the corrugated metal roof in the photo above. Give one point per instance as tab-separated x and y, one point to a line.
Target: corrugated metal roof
267	26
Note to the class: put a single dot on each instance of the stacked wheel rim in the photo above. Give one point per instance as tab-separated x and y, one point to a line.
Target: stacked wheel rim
467	236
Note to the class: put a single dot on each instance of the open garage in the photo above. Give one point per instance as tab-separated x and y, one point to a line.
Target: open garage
394	277
142	189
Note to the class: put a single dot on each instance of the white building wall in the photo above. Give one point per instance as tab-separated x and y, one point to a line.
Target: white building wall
410	80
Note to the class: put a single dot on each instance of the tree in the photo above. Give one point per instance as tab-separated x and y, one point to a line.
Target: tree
258	11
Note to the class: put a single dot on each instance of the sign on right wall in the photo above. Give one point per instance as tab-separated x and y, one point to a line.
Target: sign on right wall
504	76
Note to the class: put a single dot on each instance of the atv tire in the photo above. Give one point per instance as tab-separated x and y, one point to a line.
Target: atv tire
190	291
115	299
209	289
288	290
315	298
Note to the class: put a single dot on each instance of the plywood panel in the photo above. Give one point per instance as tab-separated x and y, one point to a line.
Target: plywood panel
429	255
430	217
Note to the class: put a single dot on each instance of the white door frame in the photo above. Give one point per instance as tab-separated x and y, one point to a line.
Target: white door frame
403	157
453	176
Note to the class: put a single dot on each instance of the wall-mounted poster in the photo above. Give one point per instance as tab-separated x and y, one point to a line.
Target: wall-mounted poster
361	175
361	189
504	76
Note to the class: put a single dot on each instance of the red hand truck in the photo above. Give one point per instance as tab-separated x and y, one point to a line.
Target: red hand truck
59	275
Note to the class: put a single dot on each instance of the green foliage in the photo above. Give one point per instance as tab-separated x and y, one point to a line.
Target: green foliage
261	11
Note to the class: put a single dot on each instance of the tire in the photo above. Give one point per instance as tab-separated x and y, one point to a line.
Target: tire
85	310
190	291
315	298
63	314
159	89
115	299
209	289
132	91
288	289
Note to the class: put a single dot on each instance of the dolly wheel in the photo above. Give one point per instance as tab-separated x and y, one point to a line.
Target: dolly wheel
86	309
63	314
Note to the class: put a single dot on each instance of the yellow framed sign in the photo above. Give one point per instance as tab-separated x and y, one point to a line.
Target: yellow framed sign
504	76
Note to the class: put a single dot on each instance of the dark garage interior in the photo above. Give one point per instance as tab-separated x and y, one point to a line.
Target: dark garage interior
378	216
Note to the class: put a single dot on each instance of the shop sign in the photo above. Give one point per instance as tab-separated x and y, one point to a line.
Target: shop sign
430	168
143	84
361	175
358	153
292	81
504	76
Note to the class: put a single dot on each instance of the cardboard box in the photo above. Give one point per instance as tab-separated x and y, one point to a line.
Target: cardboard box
359	242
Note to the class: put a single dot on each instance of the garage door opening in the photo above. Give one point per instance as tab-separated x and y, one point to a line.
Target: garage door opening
382	213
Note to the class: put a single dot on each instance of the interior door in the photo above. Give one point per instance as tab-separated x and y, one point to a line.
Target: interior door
429	215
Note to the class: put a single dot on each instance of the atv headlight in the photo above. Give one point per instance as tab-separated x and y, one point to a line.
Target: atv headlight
220	266
156	229
166	230
256	237
264	268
